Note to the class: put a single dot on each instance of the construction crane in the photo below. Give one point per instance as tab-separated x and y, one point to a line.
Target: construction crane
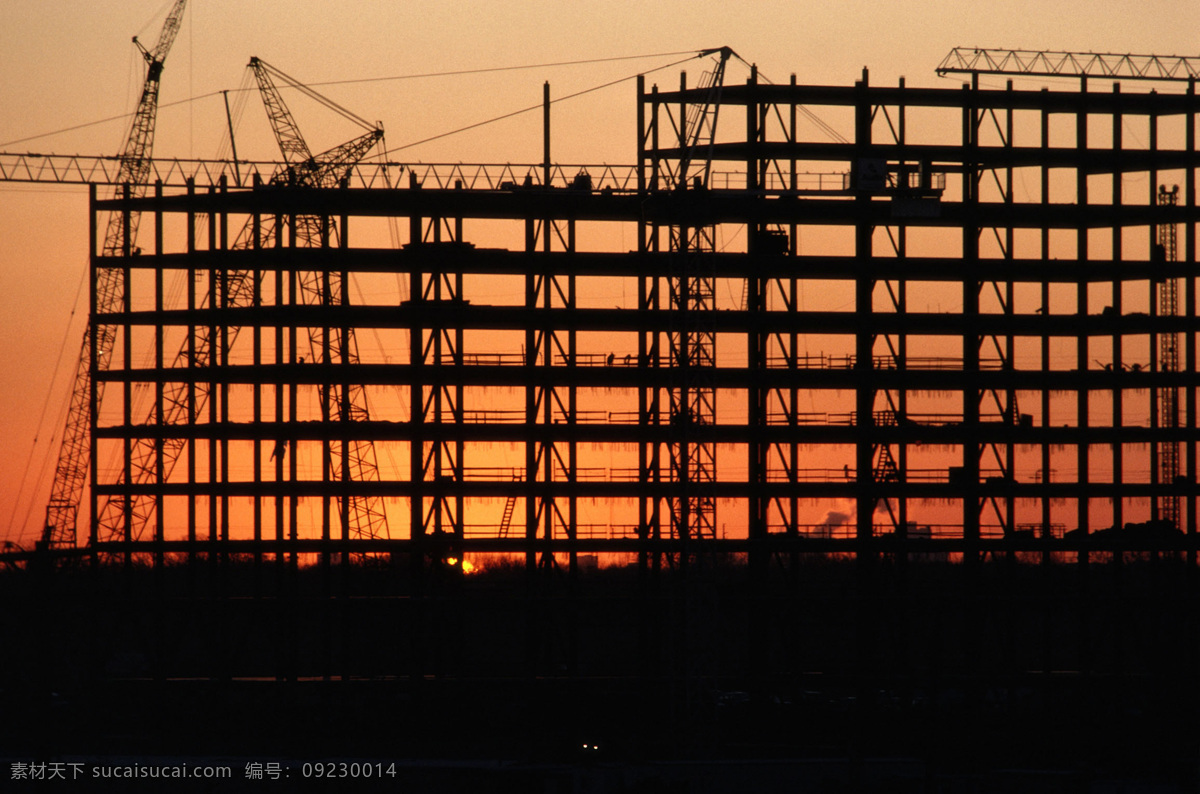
365	514
71	472
699	130
118	518
693	346
327	169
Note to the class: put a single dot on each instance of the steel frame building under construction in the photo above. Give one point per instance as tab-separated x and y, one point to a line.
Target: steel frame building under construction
955	349
1064	336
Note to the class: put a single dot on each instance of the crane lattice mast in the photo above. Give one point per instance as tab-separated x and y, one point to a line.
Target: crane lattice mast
365	515
693	343
1168	361
74	457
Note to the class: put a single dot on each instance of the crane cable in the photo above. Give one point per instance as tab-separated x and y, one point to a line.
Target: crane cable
486	70
538	106
817	121
211	94
67	337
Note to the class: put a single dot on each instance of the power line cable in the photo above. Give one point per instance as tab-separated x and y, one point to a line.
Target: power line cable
108	120
42	419
211	94
486	70
536	107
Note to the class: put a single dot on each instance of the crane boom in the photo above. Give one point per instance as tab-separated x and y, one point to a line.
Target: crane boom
99	340
1046	63
166	38
80	169
699	129
287	134
326	169
135	158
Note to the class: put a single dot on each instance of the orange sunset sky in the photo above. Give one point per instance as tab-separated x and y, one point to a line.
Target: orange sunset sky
69	77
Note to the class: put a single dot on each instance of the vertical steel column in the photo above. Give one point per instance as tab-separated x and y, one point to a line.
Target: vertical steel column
1191	362
757	448
649	410
972	627
190	372
1083	419
1117	392
532	359
293	300
1045	310
279	416
416	398
971	340
319	287
901	353
866	491
222	300
93	407
1011	403
159	470
256	301
347	361
419	490
215	401
650	373
793	350
126	335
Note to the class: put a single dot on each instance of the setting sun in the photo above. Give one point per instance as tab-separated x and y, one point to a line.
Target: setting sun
467	566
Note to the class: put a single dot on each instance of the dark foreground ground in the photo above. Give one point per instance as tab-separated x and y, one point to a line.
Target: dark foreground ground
1019	678
604	736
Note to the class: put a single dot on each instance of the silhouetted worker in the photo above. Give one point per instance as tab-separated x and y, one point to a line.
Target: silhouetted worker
280	449
611	358
627	356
